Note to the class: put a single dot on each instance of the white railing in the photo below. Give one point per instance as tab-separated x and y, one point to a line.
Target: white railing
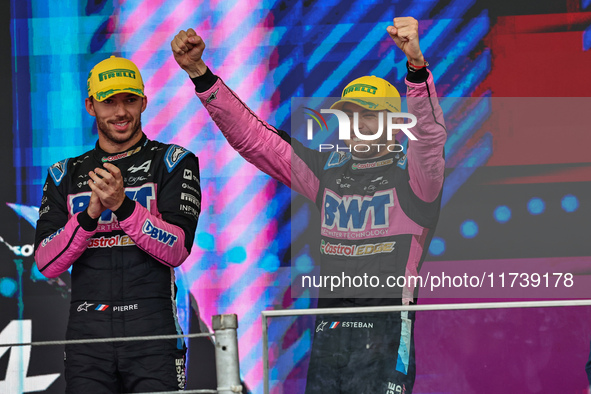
398	308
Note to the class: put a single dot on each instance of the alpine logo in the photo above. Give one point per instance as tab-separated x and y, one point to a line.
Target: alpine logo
158	234
145	167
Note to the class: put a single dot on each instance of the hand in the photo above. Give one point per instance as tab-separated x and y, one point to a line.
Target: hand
187	48
95	207
108	185
405	34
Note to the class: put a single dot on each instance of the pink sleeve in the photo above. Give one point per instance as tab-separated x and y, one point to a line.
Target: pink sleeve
425	155
258	142
161	240
57	252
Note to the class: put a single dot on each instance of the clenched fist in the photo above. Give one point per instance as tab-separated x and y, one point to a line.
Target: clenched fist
405	34
187	48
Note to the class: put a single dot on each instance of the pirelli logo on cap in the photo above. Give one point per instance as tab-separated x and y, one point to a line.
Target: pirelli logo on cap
360	87
118	72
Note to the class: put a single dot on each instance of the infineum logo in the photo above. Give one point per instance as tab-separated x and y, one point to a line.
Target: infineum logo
345	125
118	72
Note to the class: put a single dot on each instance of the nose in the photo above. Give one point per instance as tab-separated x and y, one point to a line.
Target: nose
354	121
120	109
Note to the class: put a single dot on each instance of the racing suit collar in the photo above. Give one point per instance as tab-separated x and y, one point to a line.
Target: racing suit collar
105	157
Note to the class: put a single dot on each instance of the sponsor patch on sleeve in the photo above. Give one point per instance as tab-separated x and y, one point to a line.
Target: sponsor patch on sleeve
58	170
173	156
337	159
158	234
402	162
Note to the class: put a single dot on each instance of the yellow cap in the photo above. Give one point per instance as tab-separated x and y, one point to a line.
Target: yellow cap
114	75
372	93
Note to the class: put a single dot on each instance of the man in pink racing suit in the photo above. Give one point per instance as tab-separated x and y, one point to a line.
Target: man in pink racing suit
379	208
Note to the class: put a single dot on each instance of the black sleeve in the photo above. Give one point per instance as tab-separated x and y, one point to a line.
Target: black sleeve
53	213
179	196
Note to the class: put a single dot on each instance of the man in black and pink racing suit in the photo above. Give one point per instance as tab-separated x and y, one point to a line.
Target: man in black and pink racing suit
378	208
122	216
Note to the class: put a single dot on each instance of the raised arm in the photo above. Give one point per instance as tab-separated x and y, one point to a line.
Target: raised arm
269	149
425	155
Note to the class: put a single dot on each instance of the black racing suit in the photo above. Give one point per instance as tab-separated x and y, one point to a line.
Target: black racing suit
377	218
123	281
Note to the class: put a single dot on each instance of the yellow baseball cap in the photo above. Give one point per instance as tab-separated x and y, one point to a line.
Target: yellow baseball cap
372	93
114	75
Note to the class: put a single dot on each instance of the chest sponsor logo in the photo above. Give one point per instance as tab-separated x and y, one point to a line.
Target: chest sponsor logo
158	234
121	155
355	250
51	237
80	161
373	164
144	167
109	242
356	213
132	180
144	194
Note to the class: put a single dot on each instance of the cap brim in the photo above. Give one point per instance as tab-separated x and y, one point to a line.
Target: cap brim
367	104
101	96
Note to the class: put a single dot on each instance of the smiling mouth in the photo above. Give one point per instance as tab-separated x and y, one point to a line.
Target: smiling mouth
121	125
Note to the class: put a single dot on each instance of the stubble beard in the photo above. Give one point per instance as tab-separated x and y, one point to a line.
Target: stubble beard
118	138
373	151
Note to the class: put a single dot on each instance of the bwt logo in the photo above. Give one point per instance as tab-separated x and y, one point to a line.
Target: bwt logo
352	213
345	124
158	234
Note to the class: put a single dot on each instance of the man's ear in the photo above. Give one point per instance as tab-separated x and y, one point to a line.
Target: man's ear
89	104
144	103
